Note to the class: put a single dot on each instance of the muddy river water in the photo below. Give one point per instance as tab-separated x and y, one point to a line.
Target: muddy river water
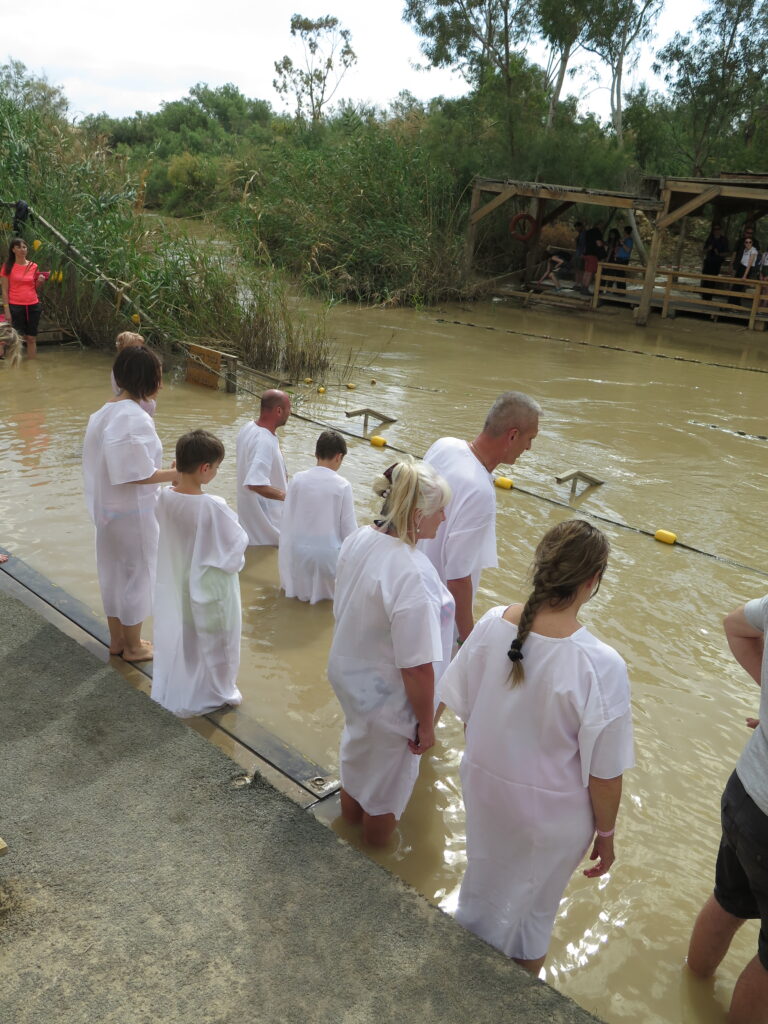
670	419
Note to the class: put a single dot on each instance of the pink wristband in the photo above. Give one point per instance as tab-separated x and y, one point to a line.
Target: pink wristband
605	835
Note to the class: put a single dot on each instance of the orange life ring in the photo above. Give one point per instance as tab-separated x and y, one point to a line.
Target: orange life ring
517	220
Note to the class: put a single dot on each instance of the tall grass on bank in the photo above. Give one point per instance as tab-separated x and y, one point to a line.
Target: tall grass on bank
172	288
356	213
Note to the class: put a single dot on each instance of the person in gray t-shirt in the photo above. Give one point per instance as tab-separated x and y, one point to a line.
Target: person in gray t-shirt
741	875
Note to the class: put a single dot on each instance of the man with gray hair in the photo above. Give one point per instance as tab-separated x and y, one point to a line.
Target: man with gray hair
466	542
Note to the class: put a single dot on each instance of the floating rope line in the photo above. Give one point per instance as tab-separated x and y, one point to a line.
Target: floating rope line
730	430
611	348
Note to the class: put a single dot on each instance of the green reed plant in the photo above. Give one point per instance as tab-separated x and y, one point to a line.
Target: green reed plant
354	212
123	270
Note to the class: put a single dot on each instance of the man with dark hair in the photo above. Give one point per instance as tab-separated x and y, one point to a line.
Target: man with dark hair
262	479
741	874
319	515
465	543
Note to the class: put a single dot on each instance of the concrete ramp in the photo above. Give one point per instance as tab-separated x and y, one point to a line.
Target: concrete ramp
143	884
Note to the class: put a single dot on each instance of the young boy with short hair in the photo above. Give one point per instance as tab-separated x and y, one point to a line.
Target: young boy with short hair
197	598
318	515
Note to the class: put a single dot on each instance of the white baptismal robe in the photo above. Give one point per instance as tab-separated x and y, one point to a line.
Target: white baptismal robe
121	445
259	464
530	750
319	515
392	612
465	543
197	603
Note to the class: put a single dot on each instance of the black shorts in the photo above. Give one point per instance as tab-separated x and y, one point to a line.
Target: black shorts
741	875
26	319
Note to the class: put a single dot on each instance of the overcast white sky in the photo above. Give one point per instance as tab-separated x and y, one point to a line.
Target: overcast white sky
128	57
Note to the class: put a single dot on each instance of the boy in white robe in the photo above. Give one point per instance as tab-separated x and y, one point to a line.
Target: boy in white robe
261	475
198	617
318	516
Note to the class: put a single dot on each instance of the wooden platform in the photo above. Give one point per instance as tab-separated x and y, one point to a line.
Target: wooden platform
675	291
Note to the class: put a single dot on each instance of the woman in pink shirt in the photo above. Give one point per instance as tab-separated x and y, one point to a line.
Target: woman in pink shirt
20	279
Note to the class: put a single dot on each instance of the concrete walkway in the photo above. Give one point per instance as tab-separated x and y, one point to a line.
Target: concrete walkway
142	886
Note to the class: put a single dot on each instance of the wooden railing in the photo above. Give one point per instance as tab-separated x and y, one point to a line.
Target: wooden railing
686	290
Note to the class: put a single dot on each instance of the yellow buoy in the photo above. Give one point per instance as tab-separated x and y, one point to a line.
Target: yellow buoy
665	536
308	380
36	244
378	442
321	390
503	481
351	386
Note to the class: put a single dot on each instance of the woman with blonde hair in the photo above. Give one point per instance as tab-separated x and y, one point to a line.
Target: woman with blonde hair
394	630
546	708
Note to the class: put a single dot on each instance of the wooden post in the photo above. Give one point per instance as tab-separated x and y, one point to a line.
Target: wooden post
755	304
537	210
230	379
469	244
671	278
644	308
598	279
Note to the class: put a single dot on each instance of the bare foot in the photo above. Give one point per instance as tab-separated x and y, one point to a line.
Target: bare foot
144	652
115	654
3	558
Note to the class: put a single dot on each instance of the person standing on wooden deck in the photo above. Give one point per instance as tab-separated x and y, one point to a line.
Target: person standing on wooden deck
262	479
741	872
465	543
594	251
623	255
715	248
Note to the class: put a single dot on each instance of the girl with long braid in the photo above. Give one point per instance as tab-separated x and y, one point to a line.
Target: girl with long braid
546	707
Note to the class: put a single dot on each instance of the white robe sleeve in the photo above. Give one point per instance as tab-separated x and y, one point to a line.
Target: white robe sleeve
415	623
605	736
226	540
130	458
462	545
456	689
259	469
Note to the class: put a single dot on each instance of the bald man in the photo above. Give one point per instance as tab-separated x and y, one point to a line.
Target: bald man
465	544
261	476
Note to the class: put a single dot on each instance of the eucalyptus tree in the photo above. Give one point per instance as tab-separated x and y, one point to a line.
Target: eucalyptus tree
480	38
563	25
327	56
615	32
715	77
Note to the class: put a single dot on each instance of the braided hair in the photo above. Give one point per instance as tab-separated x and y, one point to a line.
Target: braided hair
567	555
